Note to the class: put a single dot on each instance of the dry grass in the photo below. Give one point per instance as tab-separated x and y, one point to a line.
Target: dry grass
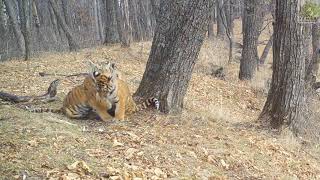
215	137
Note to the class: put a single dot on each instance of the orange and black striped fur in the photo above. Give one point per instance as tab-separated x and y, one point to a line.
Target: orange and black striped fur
102	92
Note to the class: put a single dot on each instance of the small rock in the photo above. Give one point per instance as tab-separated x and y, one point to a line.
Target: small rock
116	143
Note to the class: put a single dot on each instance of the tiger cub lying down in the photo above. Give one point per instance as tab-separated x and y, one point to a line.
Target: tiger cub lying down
102	92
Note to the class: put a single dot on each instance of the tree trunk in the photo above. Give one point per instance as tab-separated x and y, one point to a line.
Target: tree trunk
221	19
16	29
211	23
65	8
285	103
266	51
3	30
253	19
112	35
35	14
25	25
179	35
73	46
312	69
230	25
136	26
122	17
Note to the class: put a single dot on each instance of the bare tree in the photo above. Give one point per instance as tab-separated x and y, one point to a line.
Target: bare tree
253	21
112	35
221	19
180	31
13	21
122	16
24	9
286	99
211	22
73	45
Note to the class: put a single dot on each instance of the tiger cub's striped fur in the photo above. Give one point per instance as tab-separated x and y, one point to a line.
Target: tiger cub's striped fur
103	92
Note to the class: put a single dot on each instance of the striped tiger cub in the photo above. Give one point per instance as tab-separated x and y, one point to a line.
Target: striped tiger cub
102	92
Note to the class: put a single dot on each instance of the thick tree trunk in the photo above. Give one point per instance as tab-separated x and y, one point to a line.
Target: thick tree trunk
112	35
180	31
266	51
285	103
73	45
253	19
16	29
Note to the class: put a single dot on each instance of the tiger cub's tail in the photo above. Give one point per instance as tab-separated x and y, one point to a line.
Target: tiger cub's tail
147	103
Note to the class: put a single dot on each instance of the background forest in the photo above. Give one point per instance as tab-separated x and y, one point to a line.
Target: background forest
236	80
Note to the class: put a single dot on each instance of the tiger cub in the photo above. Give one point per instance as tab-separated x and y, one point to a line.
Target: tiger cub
103	92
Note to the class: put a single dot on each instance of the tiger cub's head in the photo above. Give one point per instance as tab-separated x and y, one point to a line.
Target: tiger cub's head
105	76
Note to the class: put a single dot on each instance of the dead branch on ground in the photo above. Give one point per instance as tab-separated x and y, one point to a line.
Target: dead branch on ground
47	97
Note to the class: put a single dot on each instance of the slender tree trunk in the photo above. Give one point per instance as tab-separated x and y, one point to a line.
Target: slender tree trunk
266	51
313	67
16	29
230	26
211	23
73	46
286	99
3	30
136	26
122	16
112	35
66	15
179	35
25	25
253	19
35	14
221	19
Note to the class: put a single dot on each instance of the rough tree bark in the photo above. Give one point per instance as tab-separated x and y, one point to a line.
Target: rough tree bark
253	19
286	99
112	35
73	45
15	26
180	31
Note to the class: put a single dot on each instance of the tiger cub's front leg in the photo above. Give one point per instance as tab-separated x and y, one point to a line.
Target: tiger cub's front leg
120	110
101	109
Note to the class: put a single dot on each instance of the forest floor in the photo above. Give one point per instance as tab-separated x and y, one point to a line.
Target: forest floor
216	137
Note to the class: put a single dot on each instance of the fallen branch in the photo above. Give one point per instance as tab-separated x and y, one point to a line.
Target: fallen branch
48	96
42	74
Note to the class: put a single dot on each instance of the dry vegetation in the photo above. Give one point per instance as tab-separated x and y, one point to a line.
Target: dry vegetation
216	137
